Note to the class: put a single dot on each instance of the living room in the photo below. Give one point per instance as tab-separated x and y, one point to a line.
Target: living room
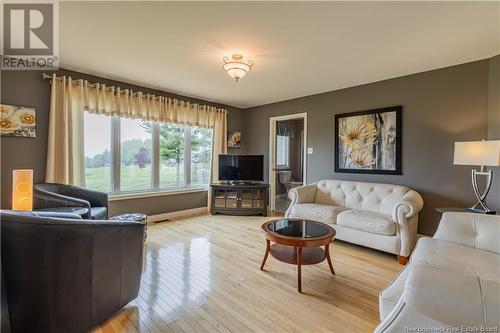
250	166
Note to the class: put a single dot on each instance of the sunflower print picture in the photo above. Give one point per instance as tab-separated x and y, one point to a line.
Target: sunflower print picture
369	141
17	121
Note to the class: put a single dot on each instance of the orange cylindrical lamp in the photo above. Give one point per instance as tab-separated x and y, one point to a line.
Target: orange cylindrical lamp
22	189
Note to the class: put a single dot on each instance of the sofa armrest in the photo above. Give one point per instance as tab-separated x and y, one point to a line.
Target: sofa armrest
409	206
302	194
478	231
43	214
51	199
451	298
95	198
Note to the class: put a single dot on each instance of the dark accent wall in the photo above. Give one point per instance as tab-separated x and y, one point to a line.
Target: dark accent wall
439	108
27	88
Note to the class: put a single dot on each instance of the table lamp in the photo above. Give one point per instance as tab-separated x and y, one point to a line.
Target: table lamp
479	153
22	189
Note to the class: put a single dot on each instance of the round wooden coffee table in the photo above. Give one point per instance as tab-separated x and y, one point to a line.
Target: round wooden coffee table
298	242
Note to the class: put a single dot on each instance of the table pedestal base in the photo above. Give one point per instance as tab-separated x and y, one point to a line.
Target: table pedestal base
298	256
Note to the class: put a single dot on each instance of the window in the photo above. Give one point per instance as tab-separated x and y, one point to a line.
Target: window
172	146
126	155
201	147
135	154
282	151
97	147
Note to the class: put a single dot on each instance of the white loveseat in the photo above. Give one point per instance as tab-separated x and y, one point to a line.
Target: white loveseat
452	283
380	216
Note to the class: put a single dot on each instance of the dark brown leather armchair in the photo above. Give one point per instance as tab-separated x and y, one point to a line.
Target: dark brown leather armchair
68	274
49	195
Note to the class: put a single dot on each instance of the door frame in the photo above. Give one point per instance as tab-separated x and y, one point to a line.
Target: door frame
272	153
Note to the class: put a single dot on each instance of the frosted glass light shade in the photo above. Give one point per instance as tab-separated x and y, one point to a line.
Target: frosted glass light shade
235	67
236	70
482	153
22	189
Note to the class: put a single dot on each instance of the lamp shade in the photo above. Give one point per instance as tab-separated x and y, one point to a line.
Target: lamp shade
22	189
482	153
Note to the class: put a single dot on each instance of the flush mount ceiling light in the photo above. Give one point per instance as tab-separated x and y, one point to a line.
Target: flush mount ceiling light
235	67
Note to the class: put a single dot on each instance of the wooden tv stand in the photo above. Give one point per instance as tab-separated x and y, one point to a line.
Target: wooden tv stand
240	199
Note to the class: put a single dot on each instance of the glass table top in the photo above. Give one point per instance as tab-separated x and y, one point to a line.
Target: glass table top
298	228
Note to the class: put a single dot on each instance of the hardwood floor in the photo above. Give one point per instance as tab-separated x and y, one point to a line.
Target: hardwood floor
202	275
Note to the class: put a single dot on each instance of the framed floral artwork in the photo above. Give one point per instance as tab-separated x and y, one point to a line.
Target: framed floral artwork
369	141
234	139
17	121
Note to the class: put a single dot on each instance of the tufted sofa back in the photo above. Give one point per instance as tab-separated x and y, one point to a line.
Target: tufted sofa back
375	197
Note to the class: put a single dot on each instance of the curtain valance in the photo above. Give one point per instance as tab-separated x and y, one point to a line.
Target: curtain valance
114	101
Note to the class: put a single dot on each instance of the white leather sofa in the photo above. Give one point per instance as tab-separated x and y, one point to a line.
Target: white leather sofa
380	216
452	283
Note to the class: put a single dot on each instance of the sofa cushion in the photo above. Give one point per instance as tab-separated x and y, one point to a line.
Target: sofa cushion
462	259
454	299
99	213
364	220
317	212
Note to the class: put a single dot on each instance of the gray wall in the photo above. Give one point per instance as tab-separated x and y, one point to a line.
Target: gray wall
494	125
439	108
27	88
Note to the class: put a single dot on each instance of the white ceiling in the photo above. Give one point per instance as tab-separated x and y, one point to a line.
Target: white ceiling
299	49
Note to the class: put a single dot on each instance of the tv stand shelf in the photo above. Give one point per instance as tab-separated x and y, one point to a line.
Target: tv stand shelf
240	199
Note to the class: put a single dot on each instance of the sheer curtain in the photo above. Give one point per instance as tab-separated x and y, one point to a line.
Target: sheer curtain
70	98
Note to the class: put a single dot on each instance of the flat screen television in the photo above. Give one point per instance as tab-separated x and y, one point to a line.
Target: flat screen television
241	168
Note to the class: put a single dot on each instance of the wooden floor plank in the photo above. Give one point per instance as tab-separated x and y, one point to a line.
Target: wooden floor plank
202	275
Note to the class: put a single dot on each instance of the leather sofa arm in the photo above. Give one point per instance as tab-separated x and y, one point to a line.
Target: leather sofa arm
51	199
451	298
43	214
409	206
95	198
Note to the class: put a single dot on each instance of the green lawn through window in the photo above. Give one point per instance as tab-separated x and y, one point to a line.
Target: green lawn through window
140	178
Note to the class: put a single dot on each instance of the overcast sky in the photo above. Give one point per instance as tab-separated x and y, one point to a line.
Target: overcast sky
98	132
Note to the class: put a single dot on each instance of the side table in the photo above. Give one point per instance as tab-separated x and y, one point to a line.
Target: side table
442	210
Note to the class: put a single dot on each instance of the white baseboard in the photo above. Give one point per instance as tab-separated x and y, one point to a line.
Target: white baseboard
180	213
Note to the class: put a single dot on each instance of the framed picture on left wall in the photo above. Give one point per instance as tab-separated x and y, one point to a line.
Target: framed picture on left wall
19	121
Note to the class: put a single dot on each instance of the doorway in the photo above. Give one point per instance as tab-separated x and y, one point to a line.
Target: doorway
287	162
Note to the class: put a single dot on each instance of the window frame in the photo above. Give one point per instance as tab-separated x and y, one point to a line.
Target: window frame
155	189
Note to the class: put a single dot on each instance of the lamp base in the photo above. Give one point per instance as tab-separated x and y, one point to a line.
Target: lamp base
481	211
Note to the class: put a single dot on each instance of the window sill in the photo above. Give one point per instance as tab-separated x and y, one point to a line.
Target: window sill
163	192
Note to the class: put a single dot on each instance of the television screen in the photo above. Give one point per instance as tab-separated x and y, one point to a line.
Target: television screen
241	167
